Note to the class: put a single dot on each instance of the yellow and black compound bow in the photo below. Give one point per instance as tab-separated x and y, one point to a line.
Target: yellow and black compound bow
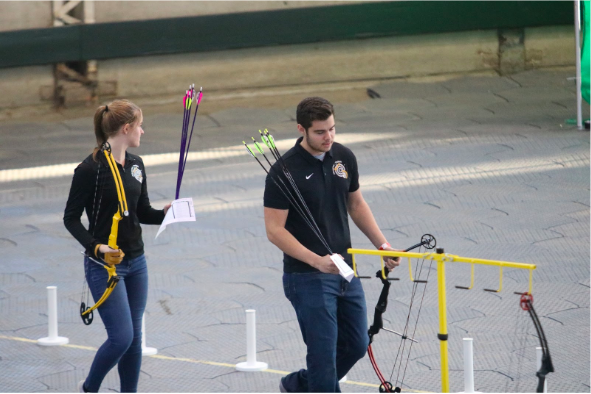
86	312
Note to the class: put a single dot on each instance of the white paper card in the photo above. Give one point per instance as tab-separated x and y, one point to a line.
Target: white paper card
182	210
344	269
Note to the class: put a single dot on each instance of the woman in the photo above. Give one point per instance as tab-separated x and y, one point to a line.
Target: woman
117	126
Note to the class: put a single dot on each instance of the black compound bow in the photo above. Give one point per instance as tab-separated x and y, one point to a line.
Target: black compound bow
527	304
428	241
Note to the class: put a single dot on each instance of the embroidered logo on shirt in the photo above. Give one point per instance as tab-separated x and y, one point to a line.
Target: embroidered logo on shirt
309	176
137	173
338	169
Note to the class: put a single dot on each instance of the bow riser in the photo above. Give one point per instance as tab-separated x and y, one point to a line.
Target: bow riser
380	308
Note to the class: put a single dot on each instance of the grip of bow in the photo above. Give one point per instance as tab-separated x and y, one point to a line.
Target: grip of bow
380	308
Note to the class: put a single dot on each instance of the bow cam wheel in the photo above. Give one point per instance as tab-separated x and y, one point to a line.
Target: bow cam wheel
428	241
526	301
86	319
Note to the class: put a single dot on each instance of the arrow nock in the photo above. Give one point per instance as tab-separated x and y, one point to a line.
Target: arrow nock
265	139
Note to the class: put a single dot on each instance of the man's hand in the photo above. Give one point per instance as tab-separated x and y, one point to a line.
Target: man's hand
392	262
326	265
167	207
109	255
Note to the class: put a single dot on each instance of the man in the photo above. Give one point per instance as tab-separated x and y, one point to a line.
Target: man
331	311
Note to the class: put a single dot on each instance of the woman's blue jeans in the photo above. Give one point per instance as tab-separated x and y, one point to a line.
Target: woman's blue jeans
122	315
333	319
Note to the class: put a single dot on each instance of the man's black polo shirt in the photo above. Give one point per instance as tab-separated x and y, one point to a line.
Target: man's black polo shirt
325	186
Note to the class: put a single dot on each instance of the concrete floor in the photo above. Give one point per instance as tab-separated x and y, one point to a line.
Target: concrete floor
487	164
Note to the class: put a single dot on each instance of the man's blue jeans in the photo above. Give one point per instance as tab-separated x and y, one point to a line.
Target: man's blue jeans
333	320
122	315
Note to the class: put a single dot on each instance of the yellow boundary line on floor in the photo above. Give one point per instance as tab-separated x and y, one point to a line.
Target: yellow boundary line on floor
194	361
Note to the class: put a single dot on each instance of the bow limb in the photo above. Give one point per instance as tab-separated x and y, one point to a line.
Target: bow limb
118	182
122	201
385	386
112	281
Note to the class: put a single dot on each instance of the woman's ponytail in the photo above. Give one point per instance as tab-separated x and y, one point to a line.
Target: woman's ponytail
108	119
101	138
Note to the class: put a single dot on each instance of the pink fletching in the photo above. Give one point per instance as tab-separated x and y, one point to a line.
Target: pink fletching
199	98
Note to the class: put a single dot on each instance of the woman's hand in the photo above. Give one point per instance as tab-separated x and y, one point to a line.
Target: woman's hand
109	255
166	207
105	249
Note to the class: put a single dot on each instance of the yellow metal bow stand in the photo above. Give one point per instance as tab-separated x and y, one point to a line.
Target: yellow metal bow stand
441	258
87	312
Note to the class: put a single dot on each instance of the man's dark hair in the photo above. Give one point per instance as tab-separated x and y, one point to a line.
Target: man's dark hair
311	109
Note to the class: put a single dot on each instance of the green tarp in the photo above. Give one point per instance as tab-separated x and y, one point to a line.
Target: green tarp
585	50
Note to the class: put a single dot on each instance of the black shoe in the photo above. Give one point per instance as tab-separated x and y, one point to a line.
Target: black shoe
281	388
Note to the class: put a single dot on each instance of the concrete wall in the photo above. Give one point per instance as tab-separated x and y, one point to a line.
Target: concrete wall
120	11
549	46
377	58
25	86
370	59
17	15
